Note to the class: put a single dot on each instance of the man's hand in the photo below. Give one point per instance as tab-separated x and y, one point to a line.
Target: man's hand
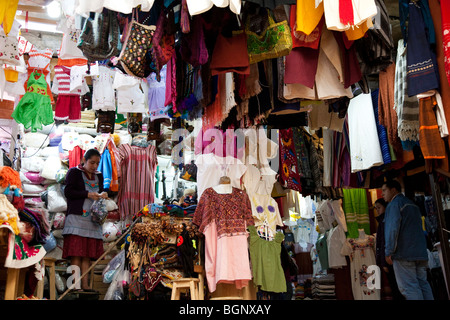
389	260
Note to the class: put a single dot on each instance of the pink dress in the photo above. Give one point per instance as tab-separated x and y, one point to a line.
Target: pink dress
223	219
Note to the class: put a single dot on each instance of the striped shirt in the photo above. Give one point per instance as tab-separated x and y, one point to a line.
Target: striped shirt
137	172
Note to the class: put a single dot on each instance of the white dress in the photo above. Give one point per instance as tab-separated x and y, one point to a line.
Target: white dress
362	255
365	150
103	96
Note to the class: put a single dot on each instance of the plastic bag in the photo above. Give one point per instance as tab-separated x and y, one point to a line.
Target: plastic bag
58	220
99	211
60	176
56	201
120	278
110	270
51	167
50	243
111	231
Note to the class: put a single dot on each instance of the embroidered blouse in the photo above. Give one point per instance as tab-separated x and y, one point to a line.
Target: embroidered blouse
232	212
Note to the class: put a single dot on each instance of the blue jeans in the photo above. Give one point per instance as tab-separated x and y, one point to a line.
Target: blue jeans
412	279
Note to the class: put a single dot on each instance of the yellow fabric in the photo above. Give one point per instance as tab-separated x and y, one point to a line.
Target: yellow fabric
8	10
308	16
11	75
358	31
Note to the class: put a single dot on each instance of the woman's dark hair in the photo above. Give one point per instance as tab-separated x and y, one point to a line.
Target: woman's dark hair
91	153
381	201
393	184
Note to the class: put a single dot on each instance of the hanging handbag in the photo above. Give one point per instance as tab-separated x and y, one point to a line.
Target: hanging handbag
134	56
273	42
136	286
100	36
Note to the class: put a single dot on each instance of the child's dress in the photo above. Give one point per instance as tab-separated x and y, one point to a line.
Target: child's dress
34	109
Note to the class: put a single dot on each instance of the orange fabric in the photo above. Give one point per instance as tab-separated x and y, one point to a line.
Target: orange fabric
8	10
114	186
430	140
71	62
386	113
10	177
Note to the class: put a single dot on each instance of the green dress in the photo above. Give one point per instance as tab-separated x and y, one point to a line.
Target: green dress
35	108
265	258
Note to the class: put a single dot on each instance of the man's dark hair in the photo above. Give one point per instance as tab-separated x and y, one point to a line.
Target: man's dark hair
381	201
91	153
393	184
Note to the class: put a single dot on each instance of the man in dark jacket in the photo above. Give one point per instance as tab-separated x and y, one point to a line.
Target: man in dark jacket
405	243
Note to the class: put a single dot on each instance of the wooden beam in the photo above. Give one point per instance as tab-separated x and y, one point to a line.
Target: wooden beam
34	19
36	9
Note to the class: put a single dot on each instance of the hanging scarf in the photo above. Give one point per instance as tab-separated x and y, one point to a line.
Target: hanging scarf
407	108
346	12
445	13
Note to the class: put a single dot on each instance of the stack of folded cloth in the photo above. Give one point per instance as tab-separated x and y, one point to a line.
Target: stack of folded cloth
87	119
323	287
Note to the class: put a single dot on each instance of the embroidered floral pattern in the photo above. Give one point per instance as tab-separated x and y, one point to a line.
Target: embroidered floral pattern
232	213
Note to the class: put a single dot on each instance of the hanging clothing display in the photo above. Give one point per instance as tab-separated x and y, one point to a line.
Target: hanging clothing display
40	60
406	107
132	93
421	61
430	140
362	255
342	15
356	211
68	104
445	13
103	97
198	7
386	102
308	15
289	177
7	14
34	109
210	168
137	190
157	95
223	218
365	148
265	259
